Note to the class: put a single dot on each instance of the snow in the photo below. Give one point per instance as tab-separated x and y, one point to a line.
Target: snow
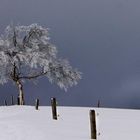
26	123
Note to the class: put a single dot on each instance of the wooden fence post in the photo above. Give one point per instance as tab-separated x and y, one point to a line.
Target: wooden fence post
5	102
12	100
18	101
93	124
54	110
36	104
98	103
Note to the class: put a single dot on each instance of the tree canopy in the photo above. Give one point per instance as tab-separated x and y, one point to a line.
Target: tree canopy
26	53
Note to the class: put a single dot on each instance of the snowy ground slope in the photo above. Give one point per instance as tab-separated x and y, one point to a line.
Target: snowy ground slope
25	123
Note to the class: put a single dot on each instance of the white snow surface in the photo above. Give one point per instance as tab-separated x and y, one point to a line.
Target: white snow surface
26	123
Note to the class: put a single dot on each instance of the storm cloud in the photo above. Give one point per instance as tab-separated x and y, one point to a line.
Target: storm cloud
99	37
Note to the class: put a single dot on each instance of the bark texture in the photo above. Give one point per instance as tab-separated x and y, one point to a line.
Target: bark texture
21	94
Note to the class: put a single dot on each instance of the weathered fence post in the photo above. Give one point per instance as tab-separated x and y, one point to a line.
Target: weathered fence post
54	110
18	101
5	102
93	124
12	100
36	104
98	103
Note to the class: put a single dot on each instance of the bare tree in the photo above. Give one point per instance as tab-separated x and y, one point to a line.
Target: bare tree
26	54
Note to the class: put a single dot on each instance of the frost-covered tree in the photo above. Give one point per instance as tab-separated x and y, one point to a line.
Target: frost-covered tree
26	54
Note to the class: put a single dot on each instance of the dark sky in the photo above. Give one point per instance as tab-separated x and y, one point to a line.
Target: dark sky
99	37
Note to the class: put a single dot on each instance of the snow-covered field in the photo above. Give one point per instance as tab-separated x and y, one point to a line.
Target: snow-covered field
26	123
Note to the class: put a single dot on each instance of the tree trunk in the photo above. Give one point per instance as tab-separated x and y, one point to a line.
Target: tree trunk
21	94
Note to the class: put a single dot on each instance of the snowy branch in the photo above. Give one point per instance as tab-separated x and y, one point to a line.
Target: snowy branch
33	76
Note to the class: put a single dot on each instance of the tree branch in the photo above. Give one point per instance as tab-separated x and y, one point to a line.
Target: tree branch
27	37
33	76
15	73
15	39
